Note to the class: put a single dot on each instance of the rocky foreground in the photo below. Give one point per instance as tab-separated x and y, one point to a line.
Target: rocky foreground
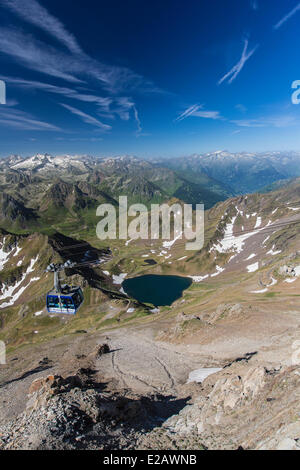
245	405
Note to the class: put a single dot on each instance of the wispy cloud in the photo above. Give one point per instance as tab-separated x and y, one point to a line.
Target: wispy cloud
103	102
254	4
67	61
73	65
241	108
39	57
269	121
32	12
79	139
234	72
108	107
20	120
188	112
287	17
198	111
86	117
138	121
207	114
124	106
45	59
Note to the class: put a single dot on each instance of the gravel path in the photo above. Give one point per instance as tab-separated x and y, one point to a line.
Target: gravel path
144	365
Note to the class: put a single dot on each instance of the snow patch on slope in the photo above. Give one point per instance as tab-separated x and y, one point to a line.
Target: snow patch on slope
262	291
219	271
4	256
235	243
200	375
252	267
14	292
258	222
250	256
169	244
199	278
272	252
118	280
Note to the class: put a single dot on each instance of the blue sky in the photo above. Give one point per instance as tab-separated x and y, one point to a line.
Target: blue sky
149	78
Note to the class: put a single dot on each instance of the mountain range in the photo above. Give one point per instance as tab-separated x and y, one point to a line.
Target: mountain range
34	188
219	368
241	173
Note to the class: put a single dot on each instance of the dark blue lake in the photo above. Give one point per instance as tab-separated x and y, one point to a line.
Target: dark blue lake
155	289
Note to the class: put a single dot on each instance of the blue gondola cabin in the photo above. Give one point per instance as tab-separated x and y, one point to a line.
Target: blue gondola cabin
67	302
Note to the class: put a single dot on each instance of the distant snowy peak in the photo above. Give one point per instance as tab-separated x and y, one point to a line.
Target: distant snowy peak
13	159
46	162
219	153
31	162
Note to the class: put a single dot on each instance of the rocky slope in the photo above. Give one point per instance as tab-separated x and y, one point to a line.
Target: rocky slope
250	402
242	407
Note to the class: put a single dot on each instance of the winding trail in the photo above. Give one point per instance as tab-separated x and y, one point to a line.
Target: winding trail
145	365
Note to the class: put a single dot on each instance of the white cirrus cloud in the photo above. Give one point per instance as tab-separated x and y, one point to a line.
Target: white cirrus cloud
270	121
102	102
67	61
73	65
37	56
20	120
108	107
188	112
198	111
207	114
34	13
234	72
138	122
86	117
287	16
